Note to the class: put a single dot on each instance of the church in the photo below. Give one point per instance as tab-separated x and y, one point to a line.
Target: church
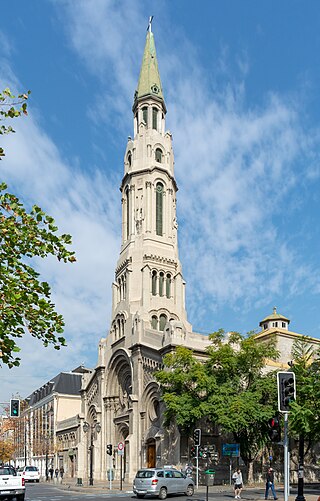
149	318
120	400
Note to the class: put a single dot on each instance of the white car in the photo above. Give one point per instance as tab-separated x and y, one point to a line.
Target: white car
29	473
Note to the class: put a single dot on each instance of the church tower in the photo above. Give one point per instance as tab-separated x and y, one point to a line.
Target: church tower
148	298
148	279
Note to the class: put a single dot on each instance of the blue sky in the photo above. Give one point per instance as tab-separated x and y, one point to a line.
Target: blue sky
241	82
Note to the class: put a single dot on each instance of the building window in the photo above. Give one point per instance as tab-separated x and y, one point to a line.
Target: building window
145	115
161	283
276	324
284	325
128	212
129	158
265	326
155	118
154	283
154	322
168	285
159	208
159	155
163	321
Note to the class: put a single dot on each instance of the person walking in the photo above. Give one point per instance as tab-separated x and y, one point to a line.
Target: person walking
51	470
270	484
238	483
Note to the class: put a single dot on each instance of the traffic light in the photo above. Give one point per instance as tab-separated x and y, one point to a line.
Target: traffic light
109	449
274	430
286	390
14	407
197	436
193	452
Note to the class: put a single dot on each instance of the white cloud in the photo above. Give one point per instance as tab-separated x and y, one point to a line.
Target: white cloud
86	205
236	167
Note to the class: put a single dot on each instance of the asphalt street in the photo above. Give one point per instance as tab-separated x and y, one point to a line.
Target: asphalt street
44	491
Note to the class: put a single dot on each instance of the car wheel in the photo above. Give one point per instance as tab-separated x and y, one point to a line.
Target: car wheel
190	490
140	496
37	481
163	493
20	497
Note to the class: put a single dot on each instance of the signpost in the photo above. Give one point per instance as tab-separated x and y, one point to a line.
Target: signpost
231	450
120	453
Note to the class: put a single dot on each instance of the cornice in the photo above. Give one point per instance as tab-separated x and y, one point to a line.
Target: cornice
159	259
123	265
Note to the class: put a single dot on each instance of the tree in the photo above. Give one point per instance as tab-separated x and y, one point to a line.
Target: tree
229	387
25	301
305	411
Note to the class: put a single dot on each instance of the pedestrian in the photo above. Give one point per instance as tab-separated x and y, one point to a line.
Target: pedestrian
61	472
270	483
56	472
51	470
238	483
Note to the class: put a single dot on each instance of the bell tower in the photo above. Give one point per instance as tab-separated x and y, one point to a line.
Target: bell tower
148	278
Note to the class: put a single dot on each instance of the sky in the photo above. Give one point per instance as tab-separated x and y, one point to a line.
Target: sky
241	83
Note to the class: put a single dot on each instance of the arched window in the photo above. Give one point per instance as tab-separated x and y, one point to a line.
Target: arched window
154	322
119	290
128	212
145	115
159	208
129	158
168	285
158	155
155	118
161	283
163	321
154	282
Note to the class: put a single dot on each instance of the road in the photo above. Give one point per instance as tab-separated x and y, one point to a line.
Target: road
45	492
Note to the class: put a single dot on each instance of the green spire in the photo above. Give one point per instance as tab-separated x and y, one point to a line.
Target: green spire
149	80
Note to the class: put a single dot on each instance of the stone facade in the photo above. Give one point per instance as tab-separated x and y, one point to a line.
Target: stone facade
148	310
148	307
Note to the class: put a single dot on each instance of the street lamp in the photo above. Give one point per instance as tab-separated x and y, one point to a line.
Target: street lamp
93	427
48	438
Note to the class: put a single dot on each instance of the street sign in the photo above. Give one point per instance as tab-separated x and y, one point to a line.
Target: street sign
231	450
120	448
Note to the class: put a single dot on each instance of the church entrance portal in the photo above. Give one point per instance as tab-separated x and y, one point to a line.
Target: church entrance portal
151	454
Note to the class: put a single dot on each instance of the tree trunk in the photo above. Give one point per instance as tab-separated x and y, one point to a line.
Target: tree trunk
250	472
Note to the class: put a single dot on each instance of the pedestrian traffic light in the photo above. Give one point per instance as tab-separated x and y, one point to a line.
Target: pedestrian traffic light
109	449
274	430
286	390
193	452
197	436
14	407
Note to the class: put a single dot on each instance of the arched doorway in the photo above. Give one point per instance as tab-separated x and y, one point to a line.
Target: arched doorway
151	453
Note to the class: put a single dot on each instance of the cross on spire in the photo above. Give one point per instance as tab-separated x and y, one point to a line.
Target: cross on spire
150	23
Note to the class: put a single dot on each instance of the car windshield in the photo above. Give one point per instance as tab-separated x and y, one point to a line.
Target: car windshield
31	468
145	474
7	471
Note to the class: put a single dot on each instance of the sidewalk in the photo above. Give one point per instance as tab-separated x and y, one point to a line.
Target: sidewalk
103	487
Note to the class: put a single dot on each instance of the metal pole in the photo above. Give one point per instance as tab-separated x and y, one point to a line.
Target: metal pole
121	472
110	471
47	477
230	469
300	496
91	458
285	452
197	466
25	442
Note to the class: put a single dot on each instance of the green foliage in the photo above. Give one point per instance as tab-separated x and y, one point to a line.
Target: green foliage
25	301
229	387
305	411
9	110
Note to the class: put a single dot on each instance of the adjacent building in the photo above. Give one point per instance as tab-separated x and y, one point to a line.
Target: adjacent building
39	441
